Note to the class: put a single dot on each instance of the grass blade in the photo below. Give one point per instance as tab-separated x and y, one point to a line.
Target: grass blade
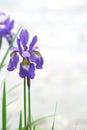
33	126
42	119
4	108
54	117
12	101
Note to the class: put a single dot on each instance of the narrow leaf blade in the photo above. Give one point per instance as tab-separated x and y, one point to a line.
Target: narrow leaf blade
4	108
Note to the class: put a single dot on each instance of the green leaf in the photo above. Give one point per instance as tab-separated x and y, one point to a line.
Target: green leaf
39	120
33	126
36	128
4	108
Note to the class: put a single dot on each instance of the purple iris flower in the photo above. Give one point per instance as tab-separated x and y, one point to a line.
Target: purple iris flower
6	26
31	58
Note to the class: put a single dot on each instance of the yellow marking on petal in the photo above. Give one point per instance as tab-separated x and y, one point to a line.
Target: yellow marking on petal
25	61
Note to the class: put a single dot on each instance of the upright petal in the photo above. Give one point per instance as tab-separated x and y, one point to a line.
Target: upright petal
9	25
24	36
19	45
33	42
13	62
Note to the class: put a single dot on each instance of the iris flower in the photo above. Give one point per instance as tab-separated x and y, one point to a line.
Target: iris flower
31	59
6	26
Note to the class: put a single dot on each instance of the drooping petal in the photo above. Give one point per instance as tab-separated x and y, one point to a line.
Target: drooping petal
33	42
3	31
37	59
27	70
39	62
13	62
24	36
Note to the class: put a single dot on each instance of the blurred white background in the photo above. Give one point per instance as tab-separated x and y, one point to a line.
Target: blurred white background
61	27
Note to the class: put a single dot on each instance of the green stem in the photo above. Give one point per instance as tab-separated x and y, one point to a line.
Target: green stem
25	103
29	104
